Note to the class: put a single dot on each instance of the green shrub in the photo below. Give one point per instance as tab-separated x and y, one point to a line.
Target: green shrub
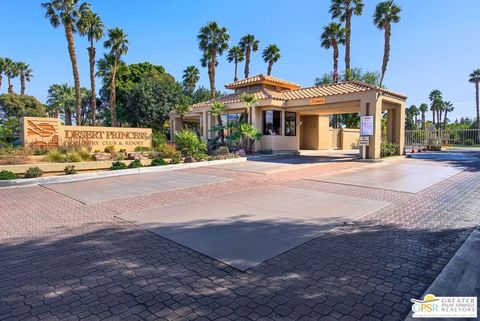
37	151
158	139
70	170
73	157
223	150
469	142
142	149
176	159
189	144
388	149
166	151
55	156
118	165
120	156
7	175
96	151
84	153
123	150
109	149
33	172
158	162
135	164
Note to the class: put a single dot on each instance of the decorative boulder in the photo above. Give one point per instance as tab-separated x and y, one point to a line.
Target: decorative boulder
102	156
241	153
189	159
136	155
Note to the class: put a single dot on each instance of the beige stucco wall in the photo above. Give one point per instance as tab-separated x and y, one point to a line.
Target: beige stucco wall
349	138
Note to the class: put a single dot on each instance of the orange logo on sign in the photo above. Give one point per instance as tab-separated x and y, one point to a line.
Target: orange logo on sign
43	133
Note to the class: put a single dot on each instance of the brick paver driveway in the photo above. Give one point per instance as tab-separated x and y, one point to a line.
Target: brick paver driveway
64	260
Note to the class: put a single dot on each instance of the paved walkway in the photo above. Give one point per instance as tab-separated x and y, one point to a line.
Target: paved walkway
65	260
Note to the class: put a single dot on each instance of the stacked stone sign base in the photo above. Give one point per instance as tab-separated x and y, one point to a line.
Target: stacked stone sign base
50	133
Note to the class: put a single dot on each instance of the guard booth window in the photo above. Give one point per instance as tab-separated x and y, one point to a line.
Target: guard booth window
290	124
272	122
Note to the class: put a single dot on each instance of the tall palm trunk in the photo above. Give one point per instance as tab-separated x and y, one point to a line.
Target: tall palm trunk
433	116
247	62
76	76
269	70
211	73
22	84
93	98
445	119
113	97
235	78
348	23
68	117
386	51
1	78
10	86
335	63
423	120
477	105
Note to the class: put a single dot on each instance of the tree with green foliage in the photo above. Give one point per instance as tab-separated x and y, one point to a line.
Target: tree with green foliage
2	70
411	114
217	110
235	55
191	76
118	44
332	36
436	104
423	108
249	101
386	13
344	10
248	44
12	108
271	55
181	109
11	71
91	25
61	100
448	108
212	41
474	78
149	103
26	74
66	13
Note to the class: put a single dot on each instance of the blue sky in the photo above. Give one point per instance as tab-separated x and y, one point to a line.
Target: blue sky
435	45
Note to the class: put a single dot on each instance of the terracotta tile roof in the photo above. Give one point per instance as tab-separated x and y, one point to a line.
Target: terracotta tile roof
261	79
235	98
342	88
349	87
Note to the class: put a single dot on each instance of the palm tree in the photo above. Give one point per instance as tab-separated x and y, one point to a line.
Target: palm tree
118	44
423	108
436	99
385	14
191	75
248	100
448	108
26	74
217	110
415	112
271	55
61	99
66	13
344	10
11	71
248	43
235	55
2	70
332	36
182	109
475	79
213	41
91	25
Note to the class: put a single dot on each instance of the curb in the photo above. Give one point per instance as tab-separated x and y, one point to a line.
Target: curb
104	174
